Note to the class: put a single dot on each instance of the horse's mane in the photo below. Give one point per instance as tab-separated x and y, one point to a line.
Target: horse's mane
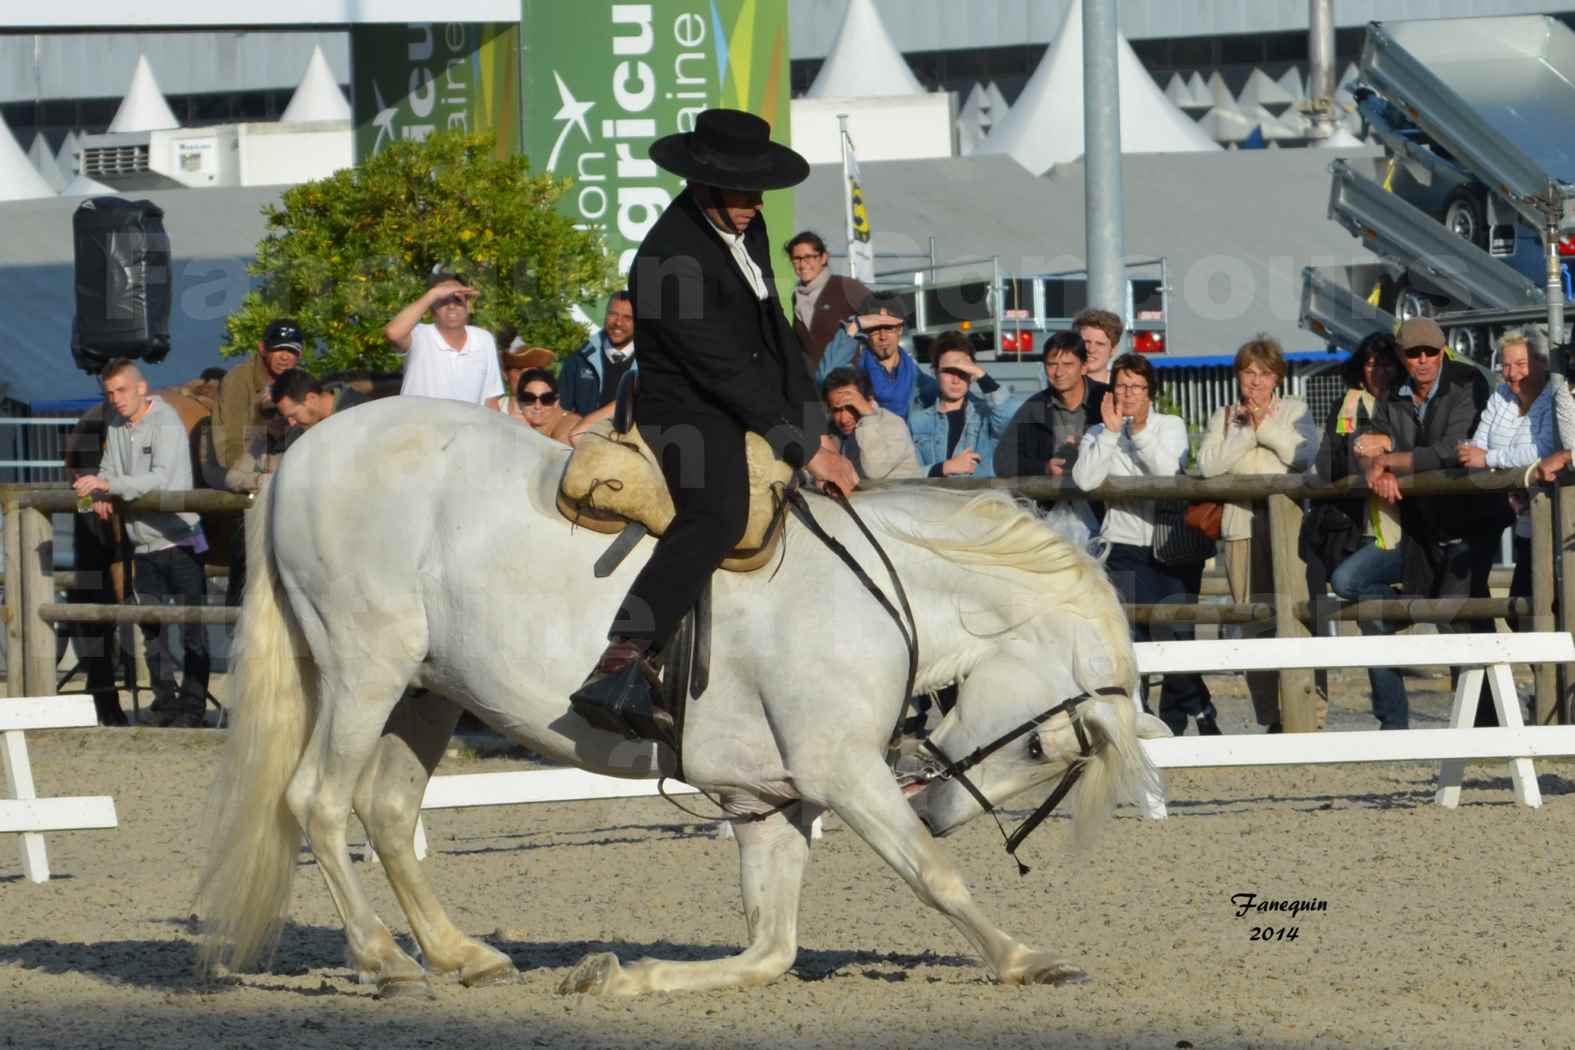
984	531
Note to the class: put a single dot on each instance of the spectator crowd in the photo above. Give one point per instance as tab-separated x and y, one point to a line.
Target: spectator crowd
900	413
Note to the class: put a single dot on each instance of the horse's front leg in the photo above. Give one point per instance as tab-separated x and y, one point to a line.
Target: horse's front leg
875	808
772	853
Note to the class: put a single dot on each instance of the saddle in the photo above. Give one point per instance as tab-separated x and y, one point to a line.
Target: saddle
612	481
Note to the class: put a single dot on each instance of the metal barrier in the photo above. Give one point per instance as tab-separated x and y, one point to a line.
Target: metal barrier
32	612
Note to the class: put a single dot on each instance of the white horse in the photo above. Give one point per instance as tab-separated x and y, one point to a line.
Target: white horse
415	543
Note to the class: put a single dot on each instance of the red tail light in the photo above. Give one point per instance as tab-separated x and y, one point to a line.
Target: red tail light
1017	342
1148	342
1567	245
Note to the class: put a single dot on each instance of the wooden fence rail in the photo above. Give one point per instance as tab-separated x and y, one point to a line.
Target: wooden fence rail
32	611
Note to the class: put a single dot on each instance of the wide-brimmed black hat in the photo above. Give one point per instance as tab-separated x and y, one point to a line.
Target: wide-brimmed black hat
731	150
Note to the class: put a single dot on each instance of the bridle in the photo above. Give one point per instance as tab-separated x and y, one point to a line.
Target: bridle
958	770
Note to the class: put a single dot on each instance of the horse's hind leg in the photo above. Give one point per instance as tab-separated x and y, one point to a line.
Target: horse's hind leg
875	808
350	722
772	853
388	800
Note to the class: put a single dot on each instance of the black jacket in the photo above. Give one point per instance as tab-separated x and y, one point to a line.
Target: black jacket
708	345
1450	418
1029	443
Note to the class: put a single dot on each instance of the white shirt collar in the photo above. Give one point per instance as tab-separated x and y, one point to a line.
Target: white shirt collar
615	355
746	265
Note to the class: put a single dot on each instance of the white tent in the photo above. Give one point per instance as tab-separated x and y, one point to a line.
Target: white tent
1341	139
998	106
1225	124
1201	97
19	180
82	186
1219	92
863	61
976	108
1291	84
66	156
317	96
1260	90
44	162
143	108
1045	127
1180	93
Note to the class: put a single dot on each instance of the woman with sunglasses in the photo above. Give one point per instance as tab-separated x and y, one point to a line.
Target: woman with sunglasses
516	361
1260	433
536	394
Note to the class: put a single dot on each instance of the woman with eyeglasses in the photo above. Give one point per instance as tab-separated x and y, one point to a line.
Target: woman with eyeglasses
1260	433
1135	439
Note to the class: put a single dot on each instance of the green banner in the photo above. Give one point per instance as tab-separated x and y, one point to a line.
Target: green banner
603	80
416	79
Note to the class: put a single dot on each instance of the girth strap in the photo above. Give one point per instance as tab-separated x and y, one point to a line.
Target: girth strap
904	620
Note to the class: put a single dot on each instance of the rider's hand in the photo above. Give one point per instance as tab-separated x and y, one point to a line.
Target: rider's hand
833	468
963	463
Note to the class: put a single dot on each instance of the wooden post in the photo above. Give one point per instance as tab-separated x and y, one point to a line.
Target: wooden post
1565	613
1542	546
15	673
38	588
1298	701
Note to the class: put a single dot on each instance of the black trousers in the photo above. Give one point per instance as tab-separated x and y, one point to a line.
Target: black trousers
175	573
1142	579
708	476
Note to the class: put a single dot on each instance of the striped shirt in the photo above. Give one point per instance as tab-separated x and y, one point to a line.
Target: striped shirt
1512	439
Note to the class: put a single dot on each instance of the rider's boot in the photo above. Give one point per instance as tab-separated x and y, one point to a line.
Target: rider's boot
619	696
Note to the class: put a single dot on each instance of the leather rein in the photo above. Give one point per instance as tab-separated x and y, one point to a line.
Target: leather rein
950	770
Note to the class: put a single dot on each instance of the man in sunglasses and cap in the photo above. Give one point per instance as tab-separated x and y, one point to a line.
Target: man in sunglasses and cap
718	359
1449	543
245	410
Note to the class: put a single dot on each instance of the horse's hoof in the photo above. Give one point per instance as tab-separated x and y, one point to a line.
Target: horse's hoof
502	973
405	988
1058	975
590	976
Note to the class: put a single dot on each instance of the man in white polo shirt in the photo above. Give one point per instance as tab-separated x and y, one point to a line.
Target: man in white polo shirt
450	358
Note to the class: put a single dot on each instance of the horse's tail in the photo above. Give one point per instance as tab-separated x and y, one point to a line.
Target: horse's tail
253	838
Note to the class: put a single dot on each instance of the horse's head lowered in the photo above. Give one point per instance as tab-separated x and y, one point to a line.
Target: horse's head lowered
984	757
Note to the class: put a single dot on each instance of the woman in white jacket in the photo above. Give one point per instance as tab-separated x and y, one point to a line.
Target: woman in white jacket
1262	433
1134	440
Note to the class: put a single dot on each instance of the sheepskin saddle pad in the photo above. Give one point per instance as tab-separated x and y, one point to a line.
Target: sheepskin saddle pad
612	479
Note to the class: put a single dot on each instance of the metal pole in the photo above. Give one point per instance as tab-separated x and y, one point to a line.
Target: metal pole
847	206
1555	292
1102	186
1543	548
1320	67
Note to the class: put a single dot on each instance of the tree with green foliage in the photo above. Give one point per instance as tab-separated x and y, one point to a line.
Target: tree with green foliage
343	254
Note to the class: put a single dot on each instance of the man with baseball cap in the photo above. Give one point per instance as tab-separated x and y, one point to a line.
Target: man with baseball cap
245	422
1449	542
245	409
718	359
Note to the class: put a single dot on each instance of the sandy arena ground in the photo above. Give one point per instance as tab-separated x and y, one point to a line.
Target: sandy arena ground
1443	929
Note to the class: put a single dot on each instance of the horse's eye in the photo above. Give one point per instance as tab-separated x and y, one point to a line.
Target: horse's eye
1036	750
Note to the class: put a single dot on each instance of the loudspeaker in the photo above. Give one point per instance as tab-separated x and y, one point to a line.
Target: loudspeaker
122	283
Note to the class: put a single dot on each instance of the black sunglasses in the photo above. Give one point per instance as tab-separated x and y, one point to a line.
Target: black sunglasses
547	400
1414	352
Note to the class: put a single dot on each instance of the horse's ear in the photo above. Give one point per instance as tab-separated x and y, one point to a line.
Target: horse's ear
1151	728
